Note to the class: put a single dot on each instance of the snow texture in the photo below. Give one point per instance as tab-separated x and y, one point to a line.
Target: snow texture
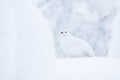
96	68
27	49
26	42
87	19
114	46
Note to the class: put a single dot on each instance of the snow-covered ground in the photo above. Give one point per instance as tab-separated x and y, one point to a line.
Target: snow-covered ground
88	69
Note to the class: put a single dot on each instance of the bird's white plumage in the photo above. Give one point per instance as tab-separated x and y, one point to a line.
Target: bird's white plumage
75	47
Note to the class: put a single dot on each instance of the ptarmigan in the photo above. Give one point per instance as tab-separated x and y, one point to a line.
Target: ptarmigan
74	47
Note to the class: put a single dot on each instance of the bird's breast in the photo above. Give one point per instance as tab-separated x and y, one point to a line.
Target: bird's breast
70	45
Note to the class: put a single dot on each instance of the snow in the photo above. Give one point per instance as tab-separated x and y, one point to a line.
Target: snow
27	49
26	42
114	46
99	68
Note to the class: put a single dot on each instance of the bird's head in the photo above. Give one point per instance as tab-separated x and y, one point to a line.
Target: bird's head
64	33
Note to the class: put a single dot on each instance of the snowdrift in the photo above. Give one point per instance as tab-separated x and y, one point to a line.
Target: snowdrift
88	69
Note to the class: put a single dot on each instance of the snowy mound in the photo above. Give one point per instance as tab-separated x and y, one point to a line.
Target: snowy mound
88	69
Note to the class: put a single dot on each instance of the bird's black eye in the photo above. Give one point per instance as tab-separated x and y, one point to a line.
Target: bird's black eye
61	32
65	31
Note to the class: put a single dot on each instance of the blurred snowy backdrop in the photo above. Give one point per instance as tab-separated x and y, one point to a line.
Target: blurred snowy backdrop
25	52
27	49
90	20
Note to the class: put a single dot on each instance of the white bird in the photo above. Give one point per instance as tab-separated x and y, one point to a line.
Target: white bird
74	47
